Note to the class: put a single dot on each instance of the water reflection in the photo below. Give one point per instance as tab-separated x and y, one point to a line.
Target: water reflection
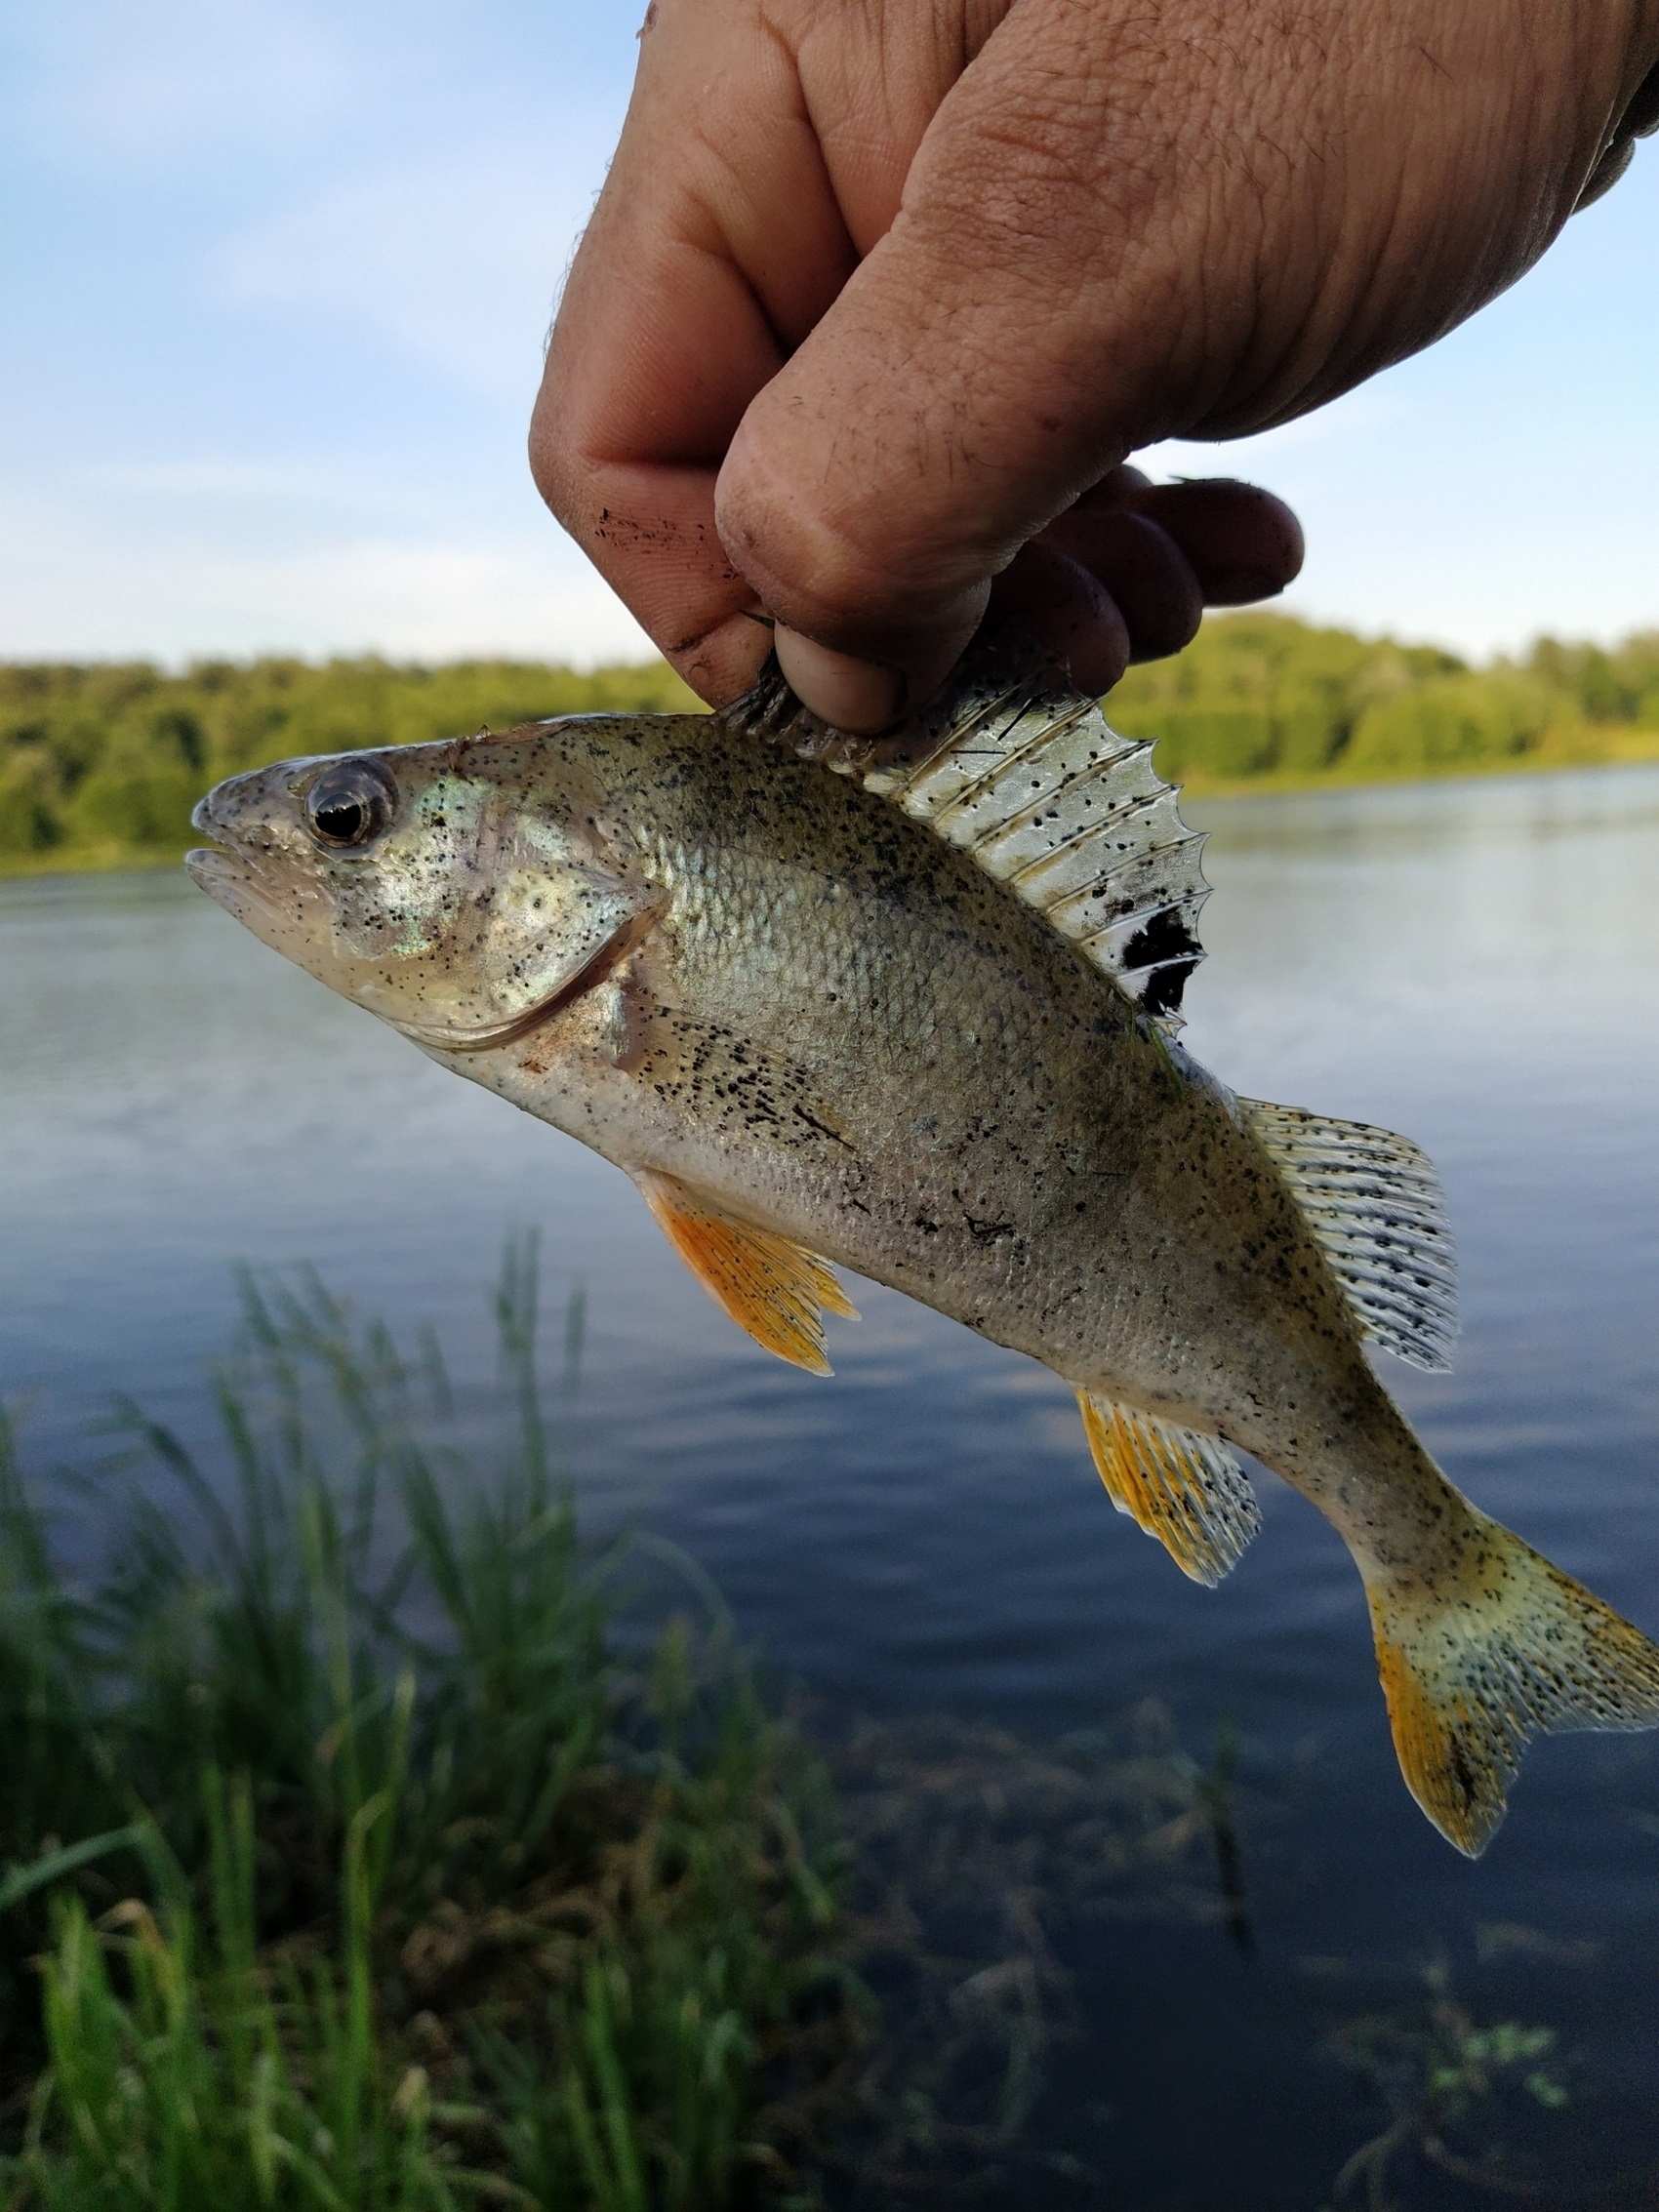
922	1536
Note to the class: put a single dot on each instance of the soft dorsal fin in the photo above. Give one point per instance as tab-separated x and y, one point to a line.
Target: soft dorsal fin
775	1290
1375	1204
1187	1490
1025	774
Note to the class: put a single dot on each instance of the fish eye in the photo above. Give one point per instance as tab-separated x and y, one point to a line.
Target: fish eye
350	804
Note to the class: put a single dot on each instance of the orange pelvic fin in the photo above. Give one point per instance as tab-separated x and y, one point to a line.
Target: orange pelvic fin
775	1289
1187	1490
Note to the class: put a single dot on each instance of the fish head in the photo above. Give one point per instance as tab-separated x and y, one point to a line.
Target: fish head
463	892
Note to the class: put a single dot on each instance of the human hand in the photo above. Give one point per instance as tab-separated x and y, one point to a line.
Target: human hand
878	296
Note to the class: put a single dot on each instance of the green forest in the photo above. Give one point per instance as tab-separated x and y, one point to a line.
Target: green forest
99	764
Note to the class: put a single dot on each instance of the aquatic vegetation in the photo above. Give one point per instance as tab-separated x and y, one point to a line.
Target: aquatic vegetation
975	1854
186	2068
353	1858
1444	2082
364	1850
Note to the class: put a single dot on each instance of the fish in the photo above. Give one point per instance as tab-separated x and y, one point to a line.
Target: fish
908	1006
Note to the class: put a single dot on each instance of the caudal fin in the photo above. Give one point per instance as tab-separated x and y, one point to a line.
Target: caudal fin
1475	1665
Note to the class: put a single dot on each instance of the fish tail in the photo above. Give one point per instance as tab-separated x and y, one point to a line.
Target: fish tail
1490	1648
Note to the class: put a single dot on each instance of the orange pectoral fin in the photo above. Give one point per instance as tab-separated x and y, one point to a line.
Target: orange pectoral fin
775	1289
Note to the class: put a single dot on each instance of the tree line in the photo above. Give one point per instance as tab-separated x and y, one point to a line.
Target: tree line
103	762
1267	696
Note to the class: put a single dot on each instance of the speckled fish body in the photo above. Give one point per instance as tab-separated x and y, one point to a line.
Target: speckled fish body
808	1024
834	1022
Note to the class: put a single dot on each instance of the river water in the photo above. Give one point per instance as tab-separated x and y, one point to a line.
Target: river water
1473	964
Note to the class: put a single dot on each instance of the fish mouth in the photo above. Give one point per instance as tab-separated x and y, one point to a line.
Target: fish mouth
212	868
230	879
226	871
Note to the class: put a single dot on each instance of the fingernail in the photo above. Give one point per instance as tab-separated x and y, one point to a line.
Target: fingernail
859	696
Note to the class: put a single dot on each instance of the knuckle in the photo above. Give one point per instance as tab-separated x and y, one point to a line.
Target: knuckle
803	566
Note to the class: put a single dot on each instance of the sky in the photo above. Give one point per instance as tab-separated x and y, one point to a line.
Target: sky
277	276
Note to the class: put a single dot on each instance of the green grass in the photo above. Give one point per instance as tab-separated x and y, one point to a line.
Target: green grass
361	1844
353	1861
364	1847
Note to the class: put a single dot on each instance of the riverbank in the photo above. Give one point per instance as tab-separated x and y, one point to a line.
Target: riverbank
1602	747
372	1839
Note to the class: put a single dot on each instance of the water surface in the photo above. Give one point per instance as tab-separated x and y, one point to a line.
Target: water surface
1472	964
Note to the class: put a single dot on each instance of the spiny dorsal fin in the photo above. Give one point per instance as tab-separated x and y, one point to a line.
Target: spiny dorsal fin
1187	1490
775	1290
1024	773
1375	1204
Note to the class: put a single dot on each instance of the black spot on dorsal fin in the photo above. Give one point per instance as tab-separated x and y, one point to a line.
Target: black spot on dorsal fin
1025	774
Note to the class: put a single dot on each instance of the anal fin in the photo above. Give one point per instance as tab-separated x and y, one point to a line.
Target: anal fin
775	1289
1187	1490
